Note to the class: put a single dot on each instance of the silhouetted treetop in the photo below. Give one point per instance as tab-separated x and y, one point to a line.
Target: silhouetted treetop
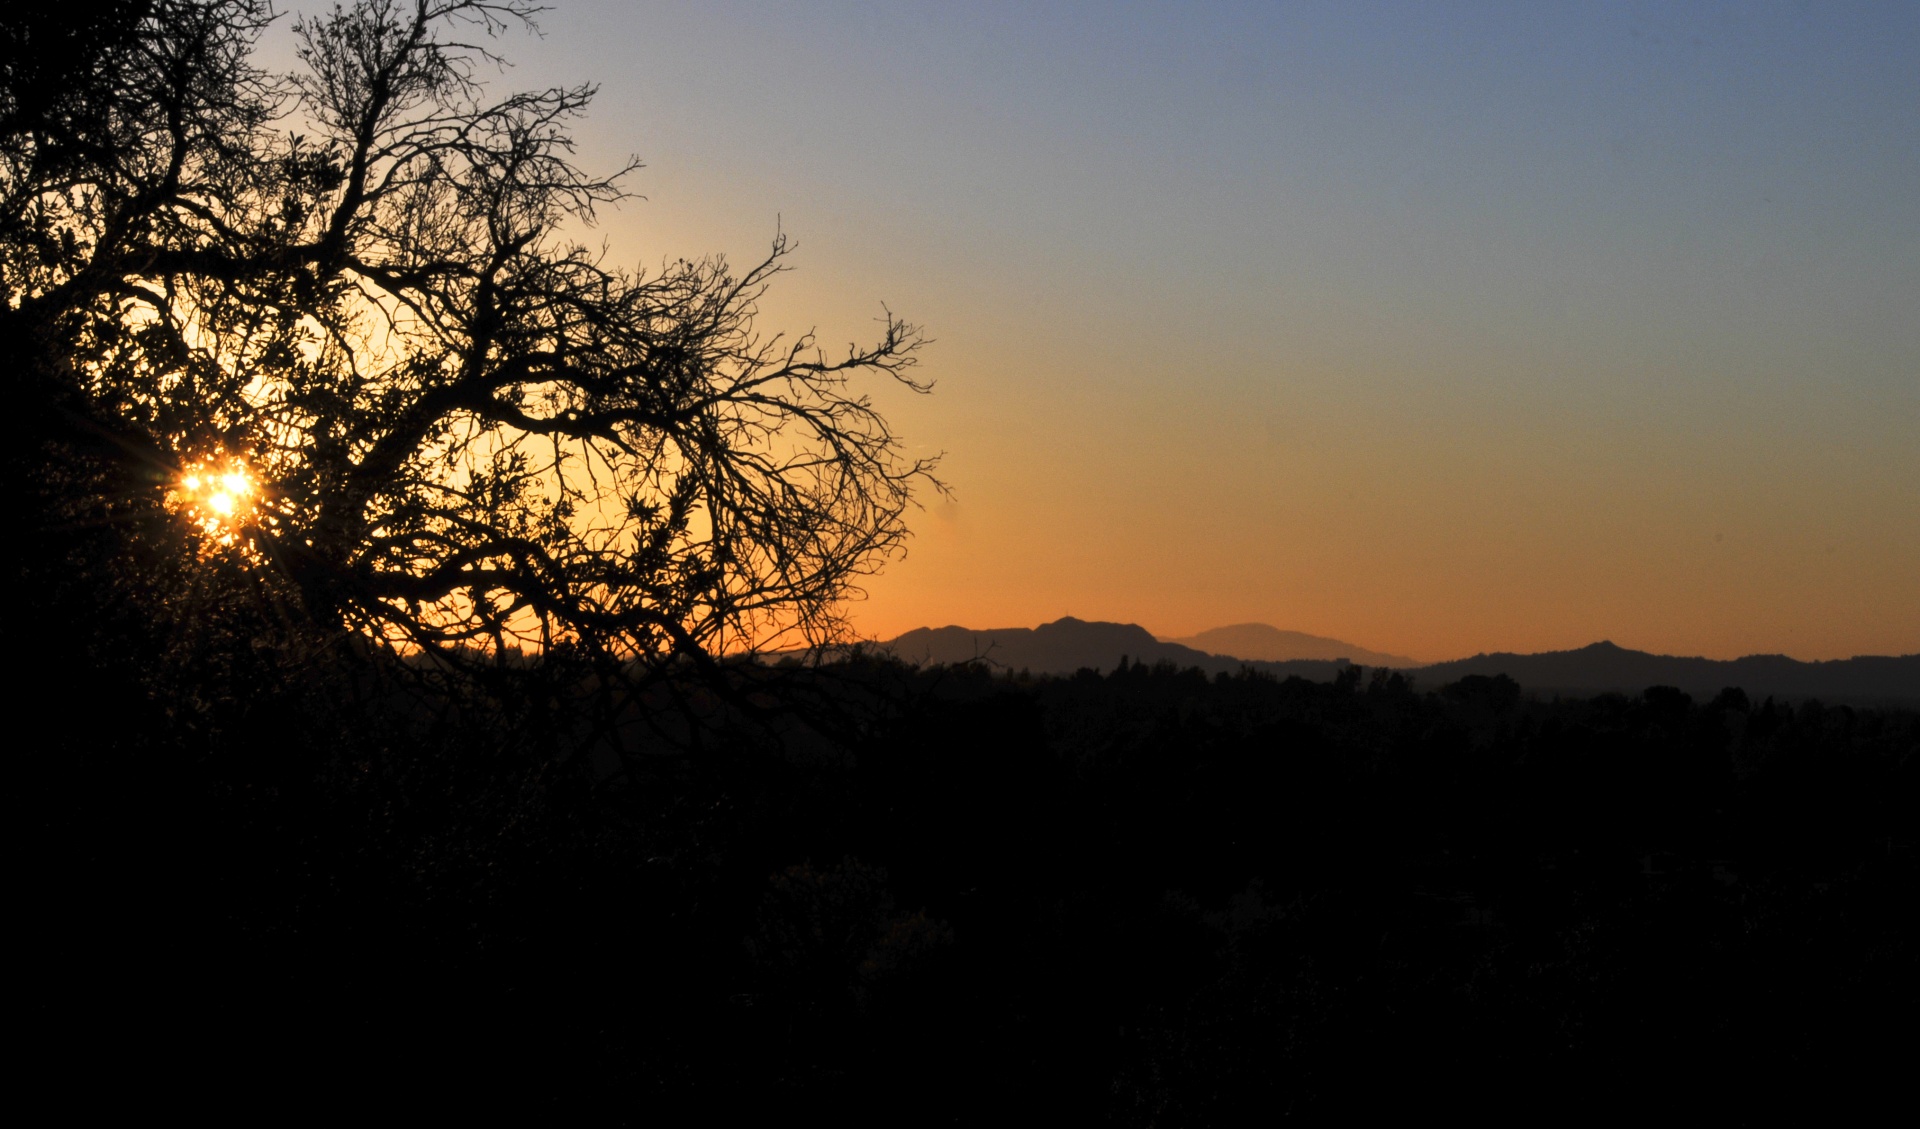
450	425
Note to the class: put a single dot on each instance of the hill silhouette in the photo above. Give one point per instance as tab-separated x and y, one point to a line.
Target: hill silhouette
1604	667
1260	642
1067	645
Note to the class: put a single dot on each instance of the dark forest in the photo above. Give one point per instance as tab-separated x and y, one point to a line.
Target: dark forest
1151	897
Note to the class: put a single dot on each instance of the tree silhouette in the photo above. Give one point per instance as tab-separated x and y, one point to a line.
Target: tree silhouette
332	330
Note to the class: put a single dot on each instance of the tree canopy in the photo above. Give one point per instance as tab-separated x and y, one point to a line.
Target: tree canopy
340	323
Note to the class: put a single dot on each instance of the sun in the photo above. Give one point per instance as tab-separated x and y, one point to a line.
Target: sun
218	496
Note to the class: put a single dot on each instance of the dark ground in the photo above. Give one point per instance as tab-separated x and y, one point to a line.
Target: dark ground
1152	897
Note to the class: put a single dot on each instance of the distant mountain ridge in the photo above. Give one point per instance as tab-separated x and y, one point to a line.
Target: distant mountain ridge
1067	645
1602	667
1260	642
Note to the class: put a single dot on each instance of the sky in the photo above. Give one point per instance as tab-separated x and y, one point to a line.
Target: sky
1436	328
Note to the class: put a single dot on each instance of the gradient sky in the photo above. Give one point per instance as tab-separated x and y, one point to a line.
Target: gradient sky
1437	328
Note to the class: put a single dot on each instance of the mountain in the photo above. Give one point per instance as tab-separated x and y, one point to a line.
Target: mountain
1069	644
1603	667
1258	642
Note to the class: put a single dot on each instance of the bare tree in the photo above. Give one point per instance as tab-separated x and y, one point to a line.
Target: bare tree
341	311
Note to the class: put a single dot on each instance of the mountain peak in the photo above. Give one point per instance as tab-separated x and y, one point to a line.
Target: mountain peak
1071	623
1061	647
1261	642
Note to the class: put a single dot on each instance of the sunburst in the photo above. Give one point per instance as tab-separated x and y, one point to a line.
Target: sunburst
220	496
